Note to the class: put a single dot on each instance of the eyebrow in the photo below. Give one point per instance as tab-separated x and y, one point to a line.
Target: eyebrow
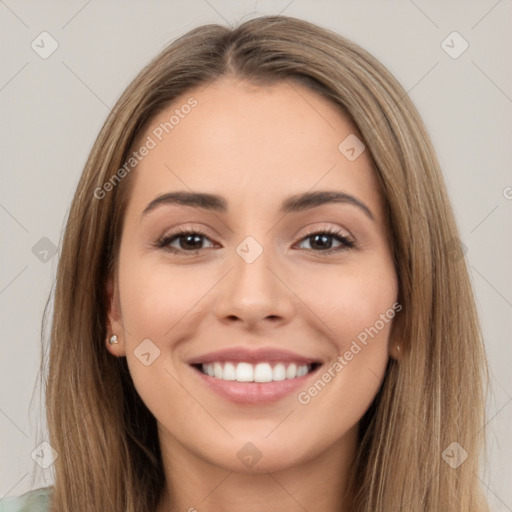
295	203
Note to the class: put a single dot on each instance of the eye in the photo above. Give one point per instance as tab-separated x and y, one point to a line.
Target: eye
189	241
323	240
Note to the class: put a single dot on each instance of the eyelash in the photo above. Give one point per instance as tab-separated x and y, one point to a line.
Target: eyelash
163	242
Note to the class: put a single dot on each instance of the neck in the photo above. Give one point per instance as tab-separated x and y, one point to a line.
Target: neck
197	485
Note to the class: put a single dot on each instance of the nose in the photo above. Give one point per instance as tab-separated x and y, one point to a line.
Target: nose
255	295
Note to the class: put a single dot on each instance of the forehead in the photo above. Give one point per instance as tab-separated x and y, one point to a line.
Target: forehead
251	144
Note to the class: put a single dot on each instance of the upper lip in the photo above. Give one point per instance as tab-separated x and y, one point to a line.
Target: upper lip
260	355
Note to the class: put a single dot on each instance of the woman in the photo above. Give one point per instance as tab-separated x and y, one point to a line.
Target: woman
261	302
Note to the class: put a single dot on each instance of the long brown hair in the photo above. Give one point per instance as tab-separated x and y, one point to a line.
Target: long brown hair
106	438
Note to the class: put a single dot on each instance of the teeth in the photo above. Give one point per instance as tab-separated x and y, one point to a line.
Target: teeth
229	372
261	372
291	371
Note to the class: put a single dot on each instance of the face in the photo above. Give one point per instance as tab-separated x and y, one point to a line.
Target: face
253	285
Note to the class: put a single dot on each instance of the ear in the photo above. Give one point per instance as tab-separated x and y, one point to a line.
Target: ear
115	321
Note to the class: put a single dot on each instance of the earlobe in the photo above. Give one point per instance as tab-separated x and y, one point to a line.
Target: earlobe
114	346
395	351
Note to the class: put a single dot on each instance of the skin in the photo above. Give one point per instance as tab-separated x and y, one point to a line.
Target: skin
255	146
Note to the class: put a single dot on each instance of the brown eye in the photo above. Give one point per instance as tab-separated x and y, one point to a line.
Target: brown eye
188	242
322	241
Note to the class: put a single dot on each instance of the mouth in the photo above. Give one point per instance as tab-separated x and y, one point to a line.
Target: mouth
258	373
247	383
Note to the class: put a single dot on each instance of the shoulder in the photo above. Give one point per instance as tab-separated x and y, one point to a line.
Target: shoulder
37	500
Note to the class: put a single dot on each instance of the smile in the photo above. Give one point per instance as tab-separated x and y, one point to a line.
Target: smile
261	372
254	384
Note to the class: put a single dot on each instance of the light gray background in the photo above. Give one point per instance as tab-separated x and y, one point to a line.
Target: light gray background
52	110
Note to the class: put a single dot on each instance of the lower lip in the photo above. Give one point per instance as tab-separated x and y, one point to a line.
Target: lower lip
254	392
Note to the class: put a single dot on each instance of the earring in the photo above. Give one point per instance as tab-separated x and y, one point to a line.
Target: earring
398	348
113	340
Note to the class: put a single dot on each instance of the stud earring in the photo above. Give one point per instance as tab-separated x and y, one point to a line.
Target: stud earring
113	340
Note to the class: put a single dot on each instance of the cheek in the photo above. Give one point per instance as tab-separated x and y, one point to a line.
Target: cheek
358	306
354	307
155	296
350	300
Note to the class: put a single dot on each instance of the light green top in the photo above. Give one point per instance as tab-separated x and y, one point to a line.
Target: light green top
37	500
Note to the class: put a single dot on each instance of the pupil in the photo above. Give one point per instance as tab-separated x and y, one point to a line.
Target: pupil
322	244
194	244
